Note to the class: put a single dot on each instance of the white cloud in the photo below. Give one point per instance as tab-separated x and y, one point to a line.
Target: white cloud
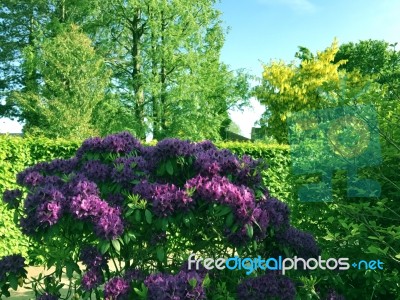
302	6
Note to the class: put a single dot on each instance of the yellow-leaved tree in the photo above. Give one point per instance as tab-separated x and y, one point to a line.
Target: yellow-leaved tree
309	84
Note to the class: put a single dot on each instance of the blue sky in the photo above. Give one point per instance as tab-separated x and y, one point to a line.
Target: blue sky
261	30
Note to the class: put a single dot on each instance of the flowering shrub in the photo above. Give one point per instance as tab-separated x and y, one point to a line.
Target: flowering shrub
12	273
133	214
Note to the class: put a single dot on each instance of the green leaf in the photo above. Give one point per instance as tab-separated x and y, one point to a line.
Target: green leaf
249	229
223	211
161	170
206	281
116	244
160	254
142	293
229	220
13	281
374	250
104	247
126	238
193	282
69	266
138	215
169	167
149	216
164	224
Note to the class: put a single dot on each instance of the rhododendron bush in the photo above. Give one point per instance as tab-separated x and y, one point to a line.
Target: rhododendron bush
120	220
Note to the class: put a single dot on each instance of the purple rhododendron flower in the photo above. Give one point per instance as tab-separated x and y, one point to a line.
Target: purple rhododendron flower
43	208
47	296
29	178
219	189
89	145
56	166
133	275
266	286
49	212
115	200
165	198
116	288
109	225
127	169
90	206
122	142
278	212
10	197
80	185
165	286
92	258
92	279
96	170
302	242
13	264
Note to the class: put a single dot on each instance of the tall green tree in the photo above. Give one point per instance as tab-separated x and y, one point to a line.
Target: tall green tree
167	76
165	57
71	82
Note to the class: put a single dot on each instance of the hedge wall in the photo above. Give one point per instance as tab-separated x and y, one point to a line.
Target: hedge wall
17	153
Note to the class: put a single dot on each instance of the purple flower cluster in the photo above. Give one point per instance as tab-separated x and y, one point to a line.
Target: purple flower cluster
121	143
222	162
30	178
213	161
92	258
270	285
165	286
12	264
168	148
96	170
92	279
278	212
220	190
109	225
115	200
80	197
94	262
43	208
85	204
165	198
132	274
248	173
128	169
116	288
57	166
47	296
11	198
302	242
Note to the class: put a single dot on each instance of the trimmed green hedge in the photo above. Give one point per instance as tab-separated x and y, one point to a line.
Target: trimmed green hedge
17	153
